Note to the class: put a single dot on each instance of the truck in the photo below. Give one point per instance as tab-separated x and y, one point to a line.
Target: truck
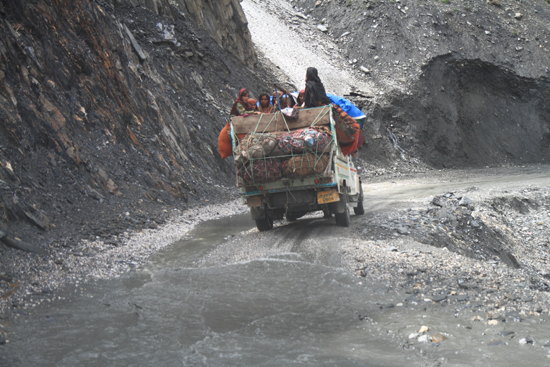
314	173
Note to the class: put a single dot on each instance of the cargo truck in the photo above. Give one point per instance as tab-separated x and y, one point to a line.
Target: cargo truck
288	166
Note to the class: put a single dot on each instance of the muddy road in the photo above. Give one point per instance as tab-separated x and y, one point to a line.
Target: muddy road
311	293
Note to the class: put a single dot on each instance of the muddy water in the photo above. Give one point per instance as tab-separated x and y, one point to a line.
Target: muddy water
283	310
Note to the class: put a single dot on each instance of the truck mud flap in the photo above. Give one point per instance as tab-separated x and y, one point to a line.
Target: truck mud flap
338	206
257	213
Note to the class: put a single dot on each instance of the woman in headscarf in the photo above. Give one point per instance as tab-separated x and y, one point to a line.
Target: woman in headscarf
314	94
277	97
241	106
265	105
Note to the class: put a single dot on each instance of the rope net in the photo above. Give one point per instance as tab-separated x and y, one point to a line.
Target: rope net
262	157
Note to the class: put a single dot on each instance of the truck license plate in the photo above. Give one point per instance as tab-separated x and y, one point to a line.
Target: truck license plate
324	197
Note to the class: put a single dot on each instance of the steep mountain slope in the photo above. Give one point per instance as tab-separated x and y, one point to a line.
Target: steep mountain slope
111	109
452	84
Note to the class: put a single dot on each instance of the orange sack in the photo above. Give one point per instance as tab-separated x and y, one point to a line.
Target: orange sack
347	132
225	146
350	148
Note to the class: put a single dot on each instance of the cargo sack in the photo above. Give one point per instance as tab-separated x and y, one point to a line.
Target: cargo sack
224	142
347	132
310	139
305	165
261	171
254	146
346	126
277	152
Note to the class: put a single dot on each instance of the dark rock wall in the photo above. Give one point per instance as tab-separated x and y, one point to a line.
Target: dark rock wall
223	20
106	106
466	113
469	79
226	23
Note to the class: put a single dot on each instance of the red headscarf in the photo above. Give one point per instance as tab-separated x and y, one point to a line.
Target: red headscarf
246	106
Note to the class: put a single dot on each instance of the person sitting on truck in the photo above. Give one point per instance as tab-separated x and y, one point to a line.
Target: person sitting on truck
241	106
265	105
300	99
253	103
314	94
286	99
276	101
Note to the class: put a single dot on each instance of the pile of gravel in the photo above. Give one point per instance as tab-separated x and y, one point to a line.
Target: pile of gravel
26	279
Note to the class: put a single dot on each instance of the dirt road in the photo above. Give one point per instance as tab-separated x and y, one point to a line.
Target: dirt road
401	286
462	252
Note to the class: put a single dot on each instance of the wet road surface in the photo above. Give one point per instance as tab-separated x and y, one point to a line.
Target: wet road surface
294	306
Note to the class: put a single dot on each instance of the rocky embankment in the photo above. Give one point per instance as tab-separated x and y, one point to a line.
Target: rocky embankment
110	112
109	118
451	84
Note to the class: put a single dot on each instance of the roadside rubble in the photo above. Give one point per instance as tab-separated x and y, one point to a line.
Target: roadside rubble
28	280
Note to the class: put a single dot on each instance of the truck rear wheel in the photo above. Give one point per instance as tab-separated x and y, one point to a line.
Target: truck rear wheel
291	218
264	224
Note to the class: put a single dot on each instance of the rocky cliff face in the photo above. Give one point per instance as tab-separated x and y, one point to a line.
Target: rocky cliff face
462	83
107	108
223	20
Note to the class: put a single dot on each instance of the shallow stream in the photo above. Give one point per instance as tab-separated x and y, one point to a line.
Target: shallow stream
284	310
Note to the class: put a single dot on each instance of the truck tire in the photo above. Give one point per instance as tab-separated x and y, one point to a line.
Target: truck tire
359	209
343	219
264	224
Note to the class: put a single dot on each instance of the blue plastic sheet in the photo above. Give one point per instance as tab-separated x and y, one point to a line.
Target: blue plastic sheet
347	106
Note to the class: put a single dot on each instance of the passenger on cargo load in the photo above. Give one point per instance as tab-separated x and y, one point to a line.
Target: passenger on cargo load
265	105
275	101
253	103
242	107
315	94
300	102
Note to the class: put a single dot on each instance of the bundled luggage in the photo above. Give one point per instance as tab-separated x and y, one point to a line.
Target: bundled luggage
261	171
263	158
310	139
305	165
273	149
255	146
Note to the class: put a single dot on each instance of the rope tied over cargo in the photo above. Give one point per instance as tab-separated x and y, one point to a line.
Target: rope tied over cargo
266	155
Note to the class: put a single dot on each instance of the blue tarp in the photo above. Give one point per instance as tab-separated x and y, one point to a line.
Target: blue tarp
347	106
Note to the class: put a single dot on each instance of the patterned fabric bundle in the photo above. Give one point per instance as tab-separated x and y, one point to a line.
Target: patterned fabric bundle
313	140
254	146
305	165
347	131
261	171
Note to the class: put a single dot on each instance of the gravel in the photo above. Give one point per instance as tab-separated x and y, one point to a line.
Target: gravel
28	280
492	251
293	44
